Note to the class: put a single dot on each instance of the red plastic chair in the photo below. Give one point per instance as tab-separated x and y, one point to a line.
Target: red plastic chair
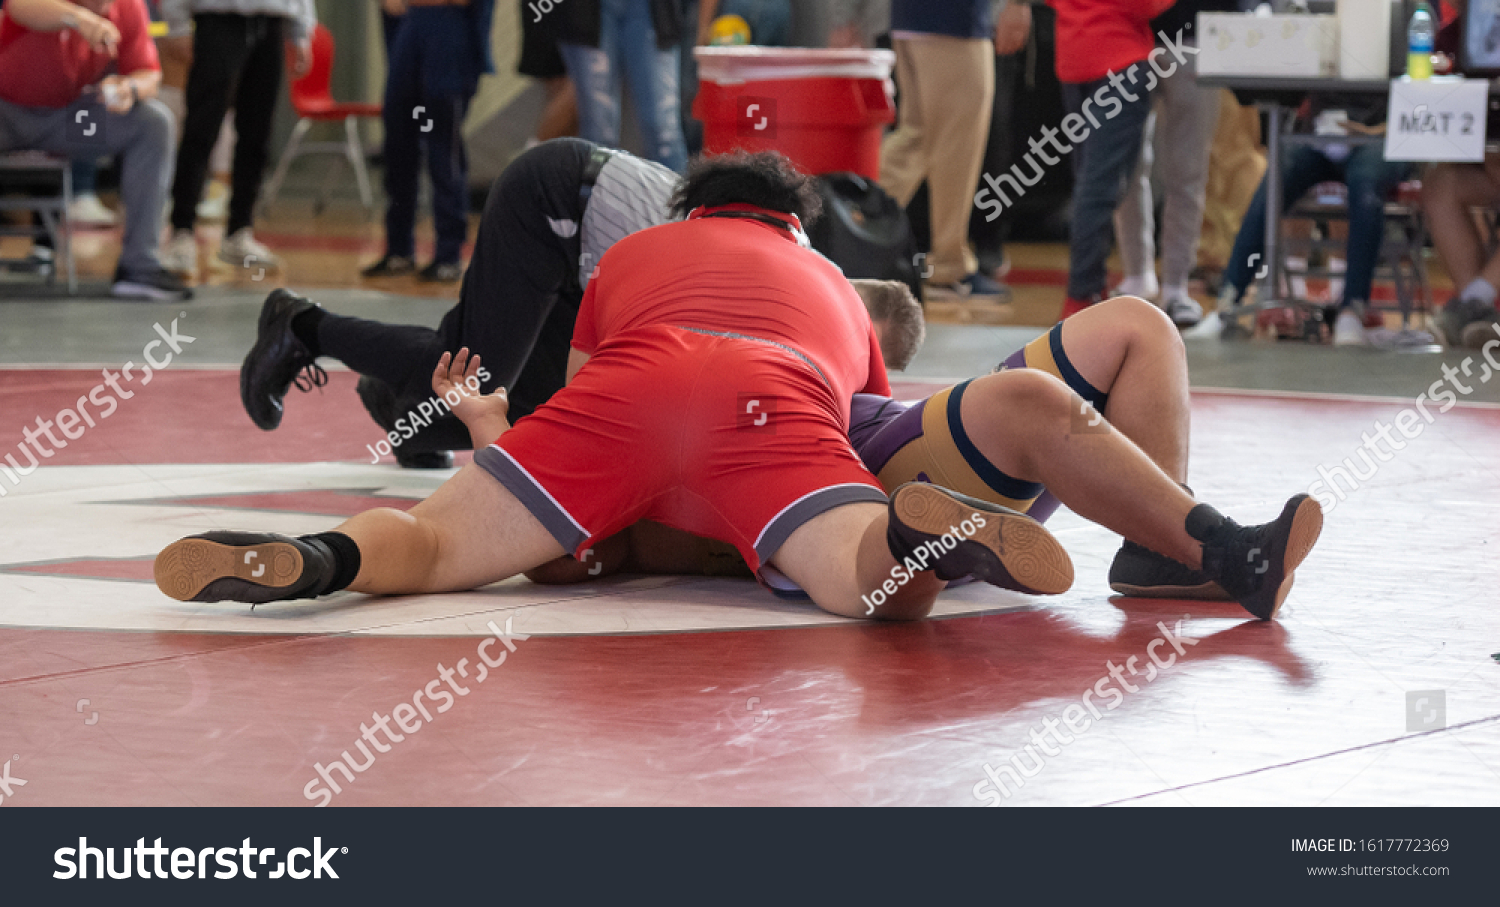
314	103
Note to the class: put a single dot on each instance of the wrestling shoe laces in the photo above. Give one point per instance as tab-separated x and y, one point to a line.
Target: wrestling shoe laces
1254	564
311	376
278	361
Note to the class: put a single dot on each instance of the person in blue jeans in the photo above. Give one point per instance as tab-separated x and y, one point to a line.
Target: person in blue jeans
604	40
1370	178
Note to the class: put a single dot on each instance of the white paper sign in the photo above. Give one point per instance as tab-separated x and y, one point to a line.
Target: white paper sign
1438	119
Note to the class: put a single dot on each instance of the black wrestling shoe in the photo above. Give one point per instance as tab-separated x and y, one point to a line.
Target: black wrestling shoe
1254	564
1139	571
390	266
251	567
961	536
274	363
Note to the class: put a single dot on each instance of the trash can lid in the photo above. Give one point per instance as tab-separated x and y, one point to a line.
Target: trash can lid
748	63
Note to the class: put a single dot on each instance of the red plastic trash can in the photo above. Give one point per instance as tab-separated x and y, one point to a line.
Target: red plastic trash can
825	109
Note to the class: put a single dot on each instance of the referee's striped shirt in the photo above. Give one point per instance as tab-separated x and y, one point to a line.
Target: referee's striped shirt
630	194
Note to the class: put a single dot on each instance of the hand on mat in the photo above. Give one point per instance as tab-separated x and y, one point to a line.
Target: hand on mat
456	380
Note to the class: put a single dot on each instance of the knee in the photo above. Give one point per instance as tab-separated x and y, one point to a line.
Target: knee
1037	396
1147	325
156	122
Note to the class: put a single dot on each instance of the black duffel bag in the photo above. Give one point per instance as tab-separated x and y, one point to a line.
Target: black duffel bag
865	232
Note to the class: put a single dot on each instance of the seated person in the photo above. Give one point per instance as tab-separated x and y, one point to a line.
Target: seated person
1449	191
64	66
681	321
1370	178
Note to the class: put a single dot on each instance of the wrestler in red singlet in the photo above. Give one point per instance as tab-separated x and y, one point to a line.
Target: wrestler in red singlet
723	357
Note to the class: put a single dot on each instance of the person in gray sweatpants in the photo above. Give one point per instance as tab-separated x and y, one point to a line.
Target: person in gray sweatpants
1184	120
94	100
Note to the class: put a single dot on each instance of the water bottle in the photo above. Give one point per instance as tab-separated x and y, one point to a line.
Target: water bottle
1419	39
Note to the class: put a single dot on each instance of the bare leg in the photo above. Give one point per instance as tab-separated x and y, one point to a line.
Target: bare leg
1096	471
1448	191
470	533
841	554
1129	349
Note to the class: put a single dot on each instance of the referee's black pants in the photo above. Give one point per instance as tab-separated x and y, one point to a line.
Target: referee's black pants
516	307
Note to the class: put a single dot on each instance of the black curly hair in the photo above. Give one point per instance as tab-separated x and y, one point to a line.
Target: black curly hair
765	179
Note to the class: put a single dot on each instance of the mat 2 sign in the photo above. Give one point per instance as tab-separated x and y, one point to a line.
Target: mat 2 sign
1436	120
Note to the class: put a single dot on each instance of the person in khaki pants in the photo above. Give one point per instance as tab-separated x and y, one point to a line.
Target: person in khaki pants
945	72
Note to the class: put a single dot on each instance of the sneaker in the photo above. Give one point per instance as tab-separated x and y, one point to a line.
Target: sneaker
40	260
242	250
155	286
1145	286
975	286
1254	564
1183	309
1477	334
1005	548
390	266
1349	328
179	255
1232	325
277	360
88	211
444	272
1458	314
1139	571
251	567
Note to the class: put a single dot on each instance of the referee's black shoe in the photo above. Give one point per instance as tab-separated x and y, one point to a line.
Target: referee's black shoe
277	360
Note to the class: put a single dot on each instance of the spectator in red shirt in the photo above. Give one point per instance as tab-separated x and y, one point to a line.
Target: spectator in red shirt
80	79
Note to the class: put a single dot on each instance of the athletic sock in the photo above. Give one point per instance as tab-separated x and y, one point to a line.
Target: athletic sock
1480	289
305	328
345	554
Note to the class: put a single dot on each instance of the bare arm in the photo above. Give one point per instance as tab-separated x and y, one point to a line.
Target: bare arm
576	359
456	381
